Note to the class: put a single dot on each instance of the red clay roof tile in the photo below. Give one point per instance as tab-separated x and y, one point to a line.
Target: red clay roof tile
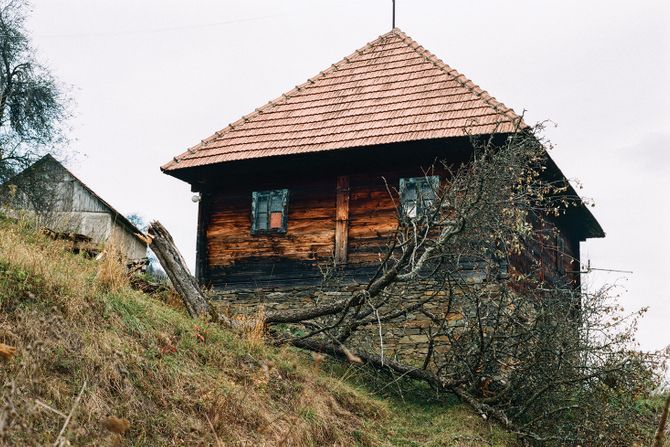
392	90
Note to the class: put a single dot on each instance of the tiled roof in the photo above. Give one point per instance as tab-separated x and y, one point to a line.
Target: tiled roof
389	91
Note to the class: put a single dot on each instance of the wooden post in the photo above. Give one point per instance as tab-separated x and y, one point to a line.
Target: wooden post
342	220
201	255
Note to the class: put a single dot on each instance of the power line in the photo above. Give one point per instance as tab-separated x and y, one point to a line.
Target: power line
158	30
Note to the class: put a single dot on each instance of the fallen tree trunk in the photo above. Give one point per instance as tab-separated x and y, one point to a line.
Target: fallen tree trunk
175	267
373	361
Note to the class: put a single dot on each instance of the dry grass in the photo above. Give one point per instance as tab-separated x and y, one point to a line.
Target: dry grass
158	376
42	260
174	381
414	415
254	331
111	275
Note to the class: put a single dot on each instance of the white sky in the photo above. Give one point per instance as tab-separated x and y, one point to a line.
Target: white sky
153	77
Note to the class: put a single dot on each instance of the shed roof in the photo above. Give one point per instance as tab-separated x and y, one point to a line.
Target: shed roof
391	90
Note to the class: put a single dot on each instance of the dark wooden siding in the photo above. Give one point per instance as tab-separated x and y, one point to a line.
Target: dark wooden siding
237	257
230	256
372	216
553	257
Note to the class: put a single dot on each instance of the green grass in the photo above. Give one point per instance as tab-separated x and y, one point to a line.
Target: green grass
416	415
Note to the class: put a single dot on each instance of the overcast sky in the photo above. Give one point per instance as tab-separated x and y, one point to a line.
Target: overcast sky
152	77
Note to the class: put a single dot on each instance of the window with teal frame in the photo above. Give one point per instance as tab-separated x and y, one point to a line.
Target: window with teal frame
269	211
417	195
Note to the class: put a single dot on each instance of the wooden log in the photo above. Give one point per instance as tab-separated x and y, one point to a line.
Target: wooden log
175	267
141	283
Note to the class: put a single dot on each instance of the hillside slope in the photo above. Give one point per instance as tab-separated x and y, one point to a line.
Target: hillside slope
143	368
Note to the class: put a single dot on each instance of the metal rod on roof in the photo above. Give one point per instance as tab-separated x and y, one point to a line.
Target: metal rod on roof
393	23
590	269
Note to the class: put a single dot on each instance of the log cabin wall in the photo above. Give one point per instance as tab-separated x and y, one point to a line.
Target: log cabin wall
320	187
372	216
554	257
238	258
230	256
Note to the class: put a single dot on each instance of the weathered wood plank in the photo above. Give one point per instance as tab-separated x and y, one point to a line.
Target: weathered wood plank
201	265
324	225
342	220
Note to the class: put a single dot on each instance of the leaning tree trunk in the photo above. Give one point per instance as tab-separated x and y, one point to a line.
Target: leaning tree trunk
660	433
174	265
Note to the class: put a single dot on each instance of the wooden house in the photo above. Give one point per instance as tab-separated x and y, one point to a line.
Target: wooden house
65	205
302	181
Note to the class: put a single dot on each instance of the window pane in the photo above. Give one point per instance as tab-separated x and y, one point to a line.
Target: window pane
427	196
410	193
262	204
276	219
262	221
428	189
277	202
269	210
410	209
408	197
262	211
427	192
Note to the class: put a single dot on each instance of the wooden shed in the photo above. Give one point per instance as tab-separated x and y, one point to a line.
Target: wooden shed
64	204
302	181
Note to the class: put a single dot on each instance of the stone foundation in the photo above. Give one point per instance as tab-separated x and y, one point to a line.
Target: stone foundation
406	339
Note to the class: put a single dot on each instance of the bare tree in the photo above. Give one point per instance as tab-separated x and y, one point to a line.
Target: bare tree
545	359
32	104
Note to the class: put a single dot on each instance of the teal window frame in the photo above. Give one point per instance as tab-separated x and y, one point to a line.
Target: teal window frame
263	205
417	195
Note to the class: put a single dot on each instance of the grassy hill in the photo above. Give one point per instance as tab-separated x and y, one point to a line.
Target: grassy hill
141	364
